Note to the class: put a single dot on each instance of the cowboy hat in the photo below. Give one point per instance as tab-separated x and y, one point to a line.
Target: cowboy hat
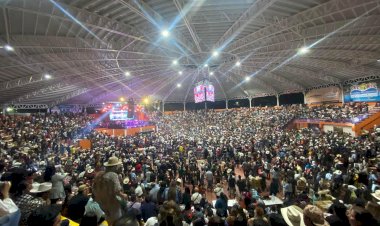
126	180
315	215
229	171
293	215
376	195
338	172
39	188
218	190
179	181
113	161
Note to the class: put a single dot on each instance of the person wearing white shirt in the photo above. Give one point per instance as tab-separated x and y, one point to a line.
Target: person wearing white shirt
196	197
7	206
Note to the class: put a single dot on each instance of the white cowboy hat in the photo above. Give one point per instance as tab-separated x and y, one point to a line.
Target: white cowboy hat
113	161
126	180
218	190
338	172
229	171
376	195
179	180
39	188
293	215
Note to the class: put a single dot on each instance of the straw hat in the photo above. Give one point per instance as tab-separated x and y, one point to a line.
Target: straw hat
315	215
293	215
39	188
113	161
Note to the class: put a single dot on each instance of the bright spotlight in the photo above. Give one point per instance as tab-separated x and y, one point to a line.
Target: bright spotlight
175	62
165	33
247	78
122	99
180	72
47	76
127	73
212	73
215	53
9	48
179	85
9	109
303	50
146	101
205	65
103	103
238	64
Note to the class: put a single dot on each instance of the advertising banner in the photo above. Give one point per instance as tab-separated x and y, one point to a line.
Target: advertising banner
362	92
330	94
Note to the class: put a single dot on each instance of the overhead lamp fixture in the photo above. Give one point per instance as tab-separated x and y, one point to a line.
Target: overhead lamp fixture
165	33
103	103
179	85
9	48
122	99
127	73
247	78
238	64
212	73
180	72
205	65
146	100
47	76
215	53
303	50
175	62
9	109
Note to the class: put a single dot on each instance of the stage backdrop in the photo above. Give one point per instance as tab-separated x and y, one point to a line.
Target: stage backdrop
330	94
362	92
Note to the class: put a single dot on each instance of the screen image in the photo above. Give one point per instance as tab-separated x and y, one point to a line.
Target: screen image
199	93
210	93
119	115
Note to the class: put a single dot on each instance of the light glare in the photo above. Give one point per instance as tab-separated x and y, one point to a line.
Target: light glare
303	50
127	73
212	73
247	78
47	76
9	48
165	33
175	62
179	85
215	53
180	72
238	63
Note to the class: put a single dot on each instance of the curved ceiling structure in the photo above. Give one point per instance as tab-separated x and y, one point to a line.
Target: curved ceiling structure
91	51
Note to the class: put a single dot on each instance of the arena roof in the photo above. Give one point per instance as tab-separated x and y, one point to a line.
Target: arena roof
78	51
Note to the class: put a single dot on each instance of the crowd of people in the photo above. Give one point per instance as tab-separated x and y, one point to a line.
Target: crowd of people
232	167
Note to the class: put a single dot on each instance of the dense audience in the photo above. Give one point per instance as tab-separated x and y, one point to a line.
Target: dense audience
232	167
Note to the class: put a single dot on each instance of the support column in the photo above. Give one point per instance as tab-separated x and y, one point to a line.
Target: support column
278	99
250	102
226	104
184	106
163	106
304	97
342	91
4	109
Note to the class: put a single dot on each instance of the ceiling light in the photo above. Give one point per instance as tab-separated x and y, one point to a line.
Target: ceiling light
212	73
175	62
122	99
9	48
127	73
180	73
9	109
103	103
179	85
205	65
215	53
303	50
146	100
247	78
47	76
238	63
165	33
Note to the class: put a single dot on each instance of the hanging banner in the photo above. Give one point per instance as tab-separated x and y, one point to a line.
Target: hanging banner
330	94
363	92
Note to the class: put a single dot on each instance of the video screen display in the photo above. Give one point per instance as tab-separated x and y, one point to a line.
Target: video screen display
210	93
199	93
119	115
